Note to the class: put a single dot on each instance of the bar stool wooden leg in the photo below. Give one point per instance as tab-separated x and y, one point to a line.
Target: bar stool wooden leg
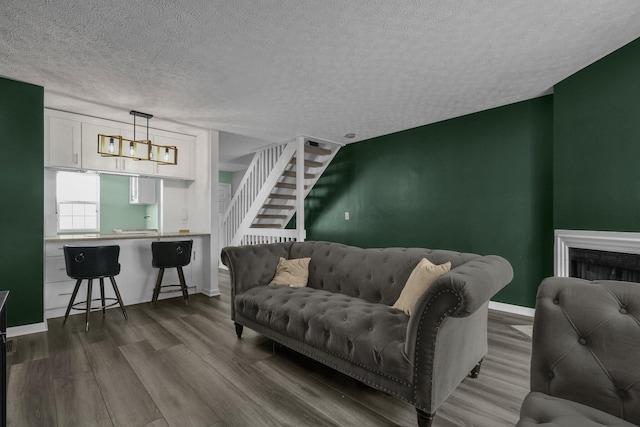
73	298
156	290
183	285
104	309
115	289
86	326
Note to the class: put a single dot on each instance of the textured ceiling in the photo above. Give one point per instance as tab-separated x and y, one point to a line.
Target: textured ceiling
274	69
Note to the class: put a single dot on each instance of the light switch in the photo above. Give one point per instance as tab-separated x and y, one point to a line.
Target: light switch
346	216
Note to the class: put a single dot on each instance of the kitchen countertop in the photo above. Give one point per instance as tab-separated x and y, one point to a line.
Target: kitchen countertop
120	236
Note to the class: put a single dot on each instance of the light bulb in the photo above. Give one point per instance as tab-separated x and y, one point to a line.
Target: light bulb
112	148
151	153
131	148
166	154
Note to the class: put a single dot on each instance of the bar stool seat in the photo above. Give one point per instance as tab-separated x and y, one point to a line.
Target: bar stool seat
92	262
176	254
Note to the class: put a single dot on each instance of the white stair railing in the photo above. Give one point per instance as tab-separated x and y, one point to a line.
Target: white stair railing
253	181
266	169
263	172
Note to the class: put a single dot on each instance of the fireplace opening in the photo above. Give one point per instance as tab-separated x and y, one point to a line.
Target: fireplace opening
591	264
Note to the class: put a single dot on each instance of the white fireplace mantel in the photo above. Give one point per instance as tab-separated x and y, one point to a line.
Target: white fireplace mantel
612	241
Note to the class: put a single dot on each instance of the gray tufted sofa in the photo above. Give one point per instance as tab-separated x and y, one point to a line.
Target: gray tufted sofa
343	317
585	365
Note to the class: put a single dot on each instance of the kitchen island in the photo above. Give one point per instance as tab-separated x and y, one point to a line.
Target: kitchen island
137	277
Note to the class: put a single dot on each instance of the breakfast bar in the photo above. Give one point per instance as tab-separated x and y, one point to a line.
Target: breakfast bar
137	276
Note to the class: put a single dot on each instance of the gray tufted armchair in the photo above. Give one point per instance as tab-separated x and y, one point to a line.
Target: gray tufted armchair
585	366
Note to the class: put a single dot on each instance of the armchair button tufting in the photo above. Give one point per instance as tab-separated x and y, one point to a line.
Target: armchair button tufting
623	310
550	374
556	301
582	341
622	393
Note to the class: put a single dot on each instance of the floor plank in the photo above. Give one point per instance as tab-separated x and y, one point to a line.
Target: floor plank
79	402
124	395
179	403
179	365
221	395
30	395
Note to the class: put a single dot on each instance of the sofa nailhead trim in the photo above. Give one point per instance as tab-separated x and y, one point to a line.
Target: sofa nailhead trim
399	381
437	327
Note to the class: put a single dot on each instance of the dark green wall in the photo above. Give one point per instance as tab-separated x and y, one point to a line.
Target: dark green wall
22	190
597	145
480	183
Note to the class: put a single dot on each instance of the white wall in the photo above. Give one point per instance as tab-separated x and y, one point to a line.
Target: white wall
236	179
196	199
50	218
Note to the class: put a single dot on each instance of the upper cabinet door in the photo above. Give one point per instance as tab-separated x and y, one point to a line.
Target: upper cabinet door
185	167
142	167
71	142
90	157
63	148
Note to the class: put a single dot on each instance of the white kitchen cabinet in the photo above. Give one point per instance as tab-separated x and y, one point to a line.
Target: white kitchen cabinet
62	142
141	167
197	264
71	142
91	159
137	276
185	167
58	286
142	191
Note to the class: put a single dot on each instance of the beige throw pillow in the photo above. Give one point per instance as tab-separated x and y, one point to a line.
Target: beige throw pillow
292	272
422	276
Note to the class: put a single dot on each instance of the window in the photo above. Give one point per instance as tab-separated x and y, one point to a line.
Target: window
78	202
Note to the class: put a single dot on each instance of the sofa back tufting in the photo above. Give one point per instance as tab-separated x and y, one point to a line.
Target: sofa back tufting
586	344
374	275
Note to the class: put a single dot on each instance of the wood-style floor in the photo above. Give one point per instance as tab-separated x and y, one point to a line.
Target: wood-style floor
175	365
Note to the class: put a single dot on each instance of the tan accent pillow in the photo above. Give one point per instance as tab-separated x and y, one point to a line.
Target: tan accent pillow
292	272
422	276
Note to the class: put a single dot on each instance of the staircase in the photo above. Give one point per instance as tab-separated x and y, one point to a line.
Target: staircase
272	190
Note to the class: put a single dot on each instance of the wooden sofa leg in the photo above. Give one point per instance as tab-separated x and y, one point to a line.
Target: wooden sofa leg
239	328
476	370
424	418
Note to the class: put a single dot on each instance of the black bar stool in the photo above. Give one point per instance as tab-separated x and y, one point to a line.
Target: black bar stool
171	255
92	262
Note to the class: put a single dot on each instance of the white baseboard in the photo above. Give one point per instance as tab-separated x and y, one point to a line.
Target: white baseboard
33	328
510	308
211	292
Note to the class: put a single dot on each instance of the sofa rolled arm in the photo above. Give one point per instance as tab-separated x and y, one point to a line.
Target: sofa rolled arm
253	265
455	298
470	286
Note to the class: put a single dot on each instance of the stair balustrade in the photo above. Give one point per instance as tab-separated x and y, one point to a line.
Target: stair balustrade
267	199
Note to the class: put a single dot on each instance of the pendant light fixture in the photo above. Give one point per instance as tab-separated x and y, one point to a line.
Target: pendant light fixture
143	149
